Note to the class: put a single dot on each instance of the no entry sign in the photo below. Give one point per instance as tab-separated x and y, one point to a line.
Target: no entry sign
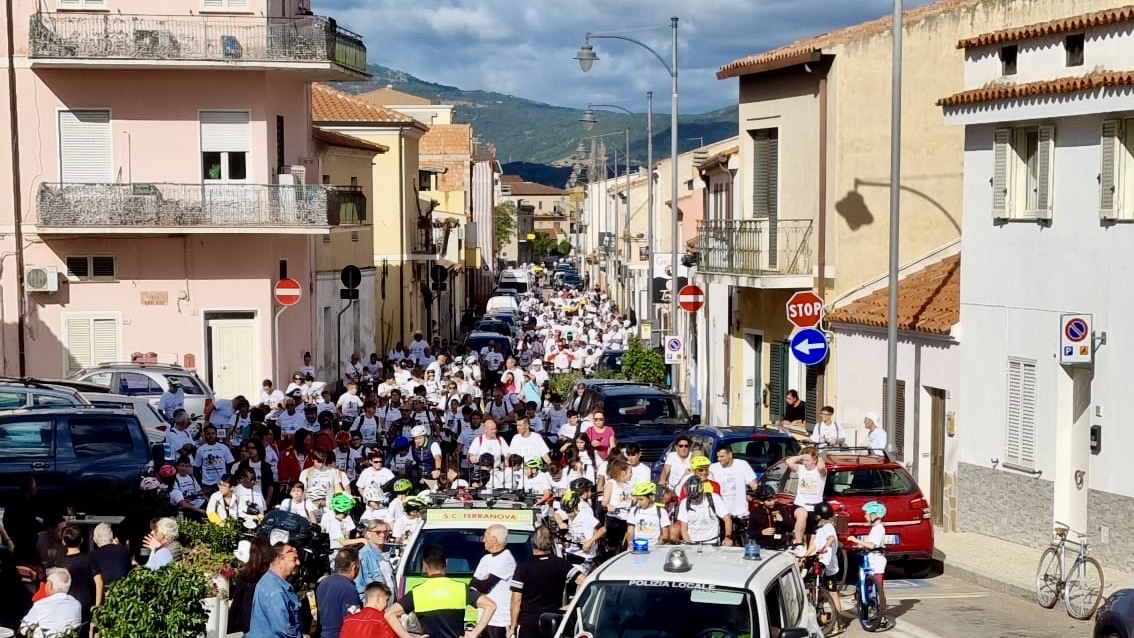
691	298
288	292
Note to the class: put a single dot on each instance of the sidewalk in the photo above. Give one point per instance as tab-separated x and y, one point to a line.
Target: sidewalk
1003	566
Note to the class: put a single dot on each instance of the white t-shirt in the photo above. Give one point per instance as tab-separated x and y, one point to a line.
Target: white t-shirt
876	441
178	439
700	519
337	530
248	496
302	508
678	468
538	484
492	360
369	476
319	483
273	459
503	566
346	462
530	447
733	479
639	473
404	526
224	510
877	559
497	447
556	419
212	460
649	522
186	488
809	489
368	428
349	404
291	423
567	431
829	556
581	528
827	433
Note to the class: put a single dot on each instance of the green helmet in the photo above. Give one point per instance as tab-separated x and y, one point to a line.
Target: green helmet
342	503
402	486
415	503
535	463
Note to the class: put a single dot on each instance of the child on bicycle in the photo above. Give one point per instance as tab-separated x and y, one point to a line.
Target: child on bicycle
825	546
875	545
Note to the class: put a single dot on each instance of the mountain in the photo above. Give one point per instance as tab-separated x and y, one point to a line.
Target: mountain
528	131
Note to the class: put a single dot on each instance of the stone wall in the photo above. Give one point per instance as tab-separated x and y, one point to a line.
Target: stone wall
1115	512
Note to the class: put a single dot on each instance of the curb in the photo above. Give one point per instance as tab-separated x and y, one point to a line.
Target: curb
993	583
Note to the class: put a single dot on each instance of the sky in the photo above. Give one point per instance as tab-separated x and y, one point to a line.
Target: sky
527	47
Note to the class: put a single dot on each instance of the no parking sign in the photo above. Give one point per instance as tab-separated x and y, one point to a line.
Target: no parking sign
674	350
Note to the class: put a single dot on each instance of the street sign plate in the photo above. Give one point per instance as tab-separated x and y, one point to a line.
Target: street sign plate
1075	347
288	292
674	350
351	276
809	346
646	331
691	298
804	309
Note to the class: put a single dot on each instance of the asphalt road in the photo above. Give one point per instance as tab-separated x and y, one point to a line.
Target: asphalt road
947	607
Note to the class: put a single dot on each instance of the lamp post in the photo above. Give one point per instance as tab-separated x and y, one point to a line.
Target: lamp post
895	194
587	57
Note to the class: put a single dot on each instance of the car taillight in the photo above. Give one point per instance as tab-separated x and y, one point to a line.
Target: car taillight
921	504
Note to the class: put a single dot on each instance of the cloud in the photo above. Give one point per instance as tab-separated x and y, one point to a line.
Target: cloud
527	47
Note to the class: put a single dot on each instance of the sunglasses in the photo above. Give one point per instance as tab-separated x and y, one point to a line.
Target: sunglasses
682	445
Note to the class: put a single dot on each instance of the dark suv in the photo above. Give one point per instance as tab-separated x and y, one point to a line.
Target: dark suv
639	413
66	447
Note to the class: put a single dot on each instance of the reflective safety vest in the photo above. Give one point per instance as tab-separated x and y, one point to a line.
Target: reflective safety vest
440	593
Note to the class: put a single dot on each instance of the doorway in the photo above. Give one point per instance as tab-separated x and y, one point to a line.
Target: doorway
751	396
937	455
230	341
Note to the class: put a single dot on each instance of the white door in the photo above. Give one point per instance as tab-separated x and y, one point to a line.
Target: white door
232	354
226	150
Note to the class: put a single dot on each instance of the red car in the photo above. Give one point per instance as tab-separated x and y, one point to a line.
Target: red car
856	477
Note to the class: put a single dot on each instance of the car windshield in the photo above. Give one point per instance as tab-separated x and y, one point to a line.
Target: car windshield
644	410
189	384
760	454
476	343
464	548
612	608
869	482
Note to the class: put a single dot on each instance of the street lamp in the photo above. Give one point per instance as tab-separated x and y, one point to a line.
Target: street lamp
588	119
586	57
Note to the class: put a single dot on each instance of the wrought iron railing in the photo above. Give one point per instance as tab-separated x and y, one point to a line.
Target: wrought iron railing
166	205
754	246
115	36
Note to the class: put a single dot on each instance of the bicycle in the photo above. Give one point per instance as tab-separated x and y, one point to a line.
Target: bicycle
818	596
869	614
1080	586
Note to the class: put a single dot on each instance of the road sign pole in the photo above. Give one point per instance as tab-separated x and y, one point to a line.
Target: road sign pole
276	347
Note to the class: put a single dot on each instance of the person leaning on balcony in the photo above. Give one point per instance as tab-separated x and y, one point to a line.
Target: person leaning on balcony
795	410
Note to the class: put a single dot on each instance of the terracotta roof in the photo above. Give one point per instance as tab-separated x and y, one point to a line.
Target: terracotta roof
333	106
349	141
532	189
809	48
389	96
1051	27
510	179
1060	86
929	300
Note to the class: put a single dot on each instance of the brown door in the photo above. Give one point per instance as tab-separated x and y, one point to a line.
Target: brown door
937	455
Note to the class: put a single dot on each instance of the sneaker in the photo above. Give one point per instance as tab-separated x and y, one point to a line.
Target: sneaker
837	629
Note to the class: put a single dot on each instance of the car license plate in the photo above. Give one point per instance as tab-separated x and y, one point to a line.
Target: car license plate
891	539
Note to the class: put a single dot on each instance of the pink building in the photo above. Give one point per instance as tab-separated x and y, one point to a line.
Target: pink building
165	179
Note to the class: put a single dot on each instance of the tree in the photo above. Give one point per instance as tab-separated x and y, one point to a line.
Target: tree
504	222
564	248
544	245
643	364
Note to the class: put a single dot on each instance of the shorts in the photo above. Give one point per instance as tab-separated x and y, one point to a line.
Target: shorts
829	583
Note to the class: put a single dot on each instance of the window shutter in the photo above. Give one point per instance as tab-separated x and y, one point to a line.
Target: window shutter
78	344
105	340
69	4
773	196
1045	156
898	436
85	155
761	164
214	4
225	131
777	378
1001	145
1020	439
811	403
1108	171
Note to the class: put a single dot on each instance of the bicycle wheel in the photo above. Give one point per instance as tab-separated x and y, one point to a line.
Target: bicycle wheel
868	614
825	610
1083	590
1048	582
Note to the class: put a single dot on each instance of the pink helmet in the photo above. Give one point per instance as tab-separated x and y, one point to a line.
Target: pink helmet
167	472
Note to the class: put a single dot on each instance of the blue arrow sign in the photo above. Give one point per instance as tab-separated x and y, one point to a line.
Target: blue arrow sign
809	346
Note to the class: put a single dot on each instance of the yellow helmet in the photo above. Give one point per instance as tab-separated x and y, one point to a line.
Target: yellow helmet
645	488
699	462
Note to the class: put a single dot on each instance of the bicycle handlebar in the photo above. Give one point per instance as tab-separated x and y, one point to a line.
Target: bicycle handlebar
1067	528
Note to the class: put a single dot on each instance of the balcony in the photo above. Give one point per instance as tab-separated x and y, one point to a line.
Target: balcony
762	253
162	208
312	45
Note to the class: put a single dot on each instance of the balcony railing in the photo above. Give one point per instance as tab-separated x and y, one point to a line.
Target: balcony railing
110	36
159	205
754	246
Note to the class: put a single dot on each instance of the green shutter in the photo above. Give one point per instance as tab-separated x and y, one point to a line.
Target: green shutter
778	379
811	403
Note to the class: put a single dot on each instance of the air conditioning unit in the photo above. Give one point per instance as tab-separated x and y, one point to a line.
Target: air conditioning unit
41	279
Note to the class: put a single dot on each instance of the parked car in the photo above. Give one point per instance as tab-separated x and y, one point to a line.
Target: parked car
496	326
639	413
479	339
65	447
611	360
144	407
1115	617
855	477
759	447
36	393
150	380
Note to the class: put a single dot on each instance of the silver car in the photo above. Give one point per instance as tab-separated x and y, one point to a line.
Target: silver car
150	380
146	409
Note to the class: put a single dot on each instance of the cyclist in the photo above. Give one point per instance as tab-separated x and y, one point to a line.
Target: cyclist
875	546
646	519
583	529
809	468
409	522
699	513
825	546
338	524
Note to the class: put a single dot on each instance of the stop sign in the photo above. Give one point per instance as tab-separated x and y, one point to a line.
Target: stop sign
288	292
804	309
691	298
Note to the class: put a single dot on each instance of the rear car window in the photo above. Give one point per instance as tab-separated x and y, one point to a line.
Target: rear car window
22	439
189	384
869	482
48	400
464	548
634	410
761	454
12	400
135	384
100	436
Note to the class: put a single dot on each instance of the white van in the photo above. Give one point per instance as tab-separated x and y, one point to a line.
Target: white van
515	279
502	302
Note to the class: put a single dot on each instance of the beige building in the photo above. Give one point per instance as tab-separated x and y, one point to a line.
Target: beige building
537	208
419	108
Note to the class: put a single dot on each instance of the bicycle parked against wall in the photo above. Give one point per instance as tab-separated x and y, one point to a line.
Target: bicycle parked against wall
1080	585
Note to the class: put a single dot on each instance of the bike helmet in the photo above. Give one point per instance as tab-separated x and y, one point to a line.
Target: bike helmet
699	462
167	472
694	488
486	460
581	485
535	463
342	437
401	443
326	419
570	501
823	511
645	488
415	504
342	503
419	430
401	486
875	509
373	493
765	492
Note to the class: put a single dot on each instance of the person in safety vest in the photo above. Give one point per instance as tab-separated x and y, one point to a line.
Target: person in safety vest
439	603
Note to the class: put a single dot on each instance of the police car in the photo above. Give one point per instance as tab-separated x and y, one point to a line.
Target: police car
690	590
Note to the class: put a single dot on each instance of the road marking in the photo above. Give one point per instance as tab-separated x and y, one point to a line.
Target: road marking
916	596
909	630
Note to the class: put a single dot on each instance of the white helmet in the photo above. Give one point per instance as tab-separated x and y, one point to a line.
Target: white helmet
373	493
419	430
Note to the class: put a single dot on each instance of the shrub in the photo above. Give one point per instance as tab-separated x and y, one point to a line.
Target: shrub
157	604
564	384
643	364
220	539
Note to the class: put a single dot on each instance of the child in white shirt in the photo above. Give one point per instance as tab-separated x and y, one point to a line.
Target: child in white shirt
875	543
825	545
298	503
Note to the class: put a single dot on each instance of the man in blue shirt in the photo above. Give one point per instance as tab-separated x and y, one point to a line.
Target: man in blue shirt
275	607
373	563
336	596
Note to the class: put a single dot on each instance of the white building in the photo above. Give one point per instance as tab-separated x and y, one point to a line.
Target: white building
1048	201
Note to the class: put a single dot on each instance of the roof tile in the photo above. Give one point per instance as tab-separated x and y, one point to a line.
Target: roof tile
929	300
1061	86
335	138
1051	27
331	105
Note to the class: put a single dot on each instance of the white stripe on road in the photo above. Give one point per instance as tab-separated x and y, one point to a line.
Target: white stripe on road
907	630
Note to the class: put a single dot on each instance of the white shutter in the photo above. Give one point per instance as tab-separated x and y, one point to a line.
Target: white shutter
80	4
85	155
91	340
1109	203
225	131
78	344
1001	146
214	4
1020	439
104	333
1045	171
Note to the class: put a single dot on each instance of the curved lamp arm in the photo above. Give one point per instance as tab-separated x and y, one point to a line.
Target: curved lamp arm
671	71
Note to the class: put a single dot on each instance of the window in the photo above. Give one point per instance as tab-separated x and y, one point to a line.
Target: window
868	482
1020	439
1116	174
1008	57
100	378
89	340
220	5
85	149
425	180
20	440
48	401
1073	45
793	597
279	144
91	268
81	4
189	384
100	437
899	434
225	145
10	400
1022	173
134	384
